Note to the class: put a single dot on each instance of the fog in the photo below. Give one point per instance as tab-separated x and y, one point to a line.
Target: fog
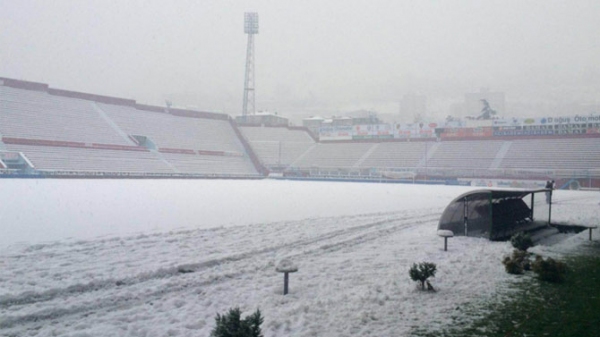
312	57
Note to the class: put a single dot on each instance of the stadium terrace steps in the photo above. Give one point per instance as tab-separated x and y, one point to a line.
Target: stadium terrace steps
277	146
169	131
72	135
38	115
62	133
430	150
465	154
570	153
303	155
334	155
61	159
112	124
501	154
165	161
210	164
366	155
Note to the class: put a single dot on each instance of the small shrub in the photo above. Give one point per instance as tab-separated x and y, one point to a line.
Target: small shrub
517	263
421	272
549	270
521	241
511	266
230	325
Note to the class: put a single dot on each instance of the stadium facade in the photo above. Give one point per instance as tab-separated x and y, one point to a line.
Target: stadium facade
47	132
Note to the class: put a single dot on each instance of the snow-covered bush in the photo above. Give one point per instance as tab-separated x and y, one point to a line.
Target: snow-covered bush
517	262
230	325
549	270
421	272
521	241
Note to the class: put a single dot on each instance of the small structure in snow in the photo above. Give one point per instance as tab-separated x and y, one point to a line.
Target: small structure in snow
286	266
590	227
445	233
496	214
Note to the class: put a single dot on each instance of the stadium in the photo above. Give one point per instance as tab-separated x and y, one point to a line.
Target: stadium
47	132
121	218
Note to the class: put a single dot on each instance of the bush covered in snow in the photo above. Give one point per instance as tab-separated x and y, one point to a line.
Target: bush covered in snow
421	272
521	241
517	262
231	325
549	270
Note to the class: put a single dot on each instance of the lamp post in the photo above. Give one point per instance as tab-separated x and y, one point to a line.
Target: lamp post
250	28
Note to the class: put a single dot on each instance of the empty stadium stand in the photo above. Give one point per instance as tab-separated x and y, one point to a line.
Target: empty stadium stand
35	115
478	154
277	147
71	159
65	133
556	154
52	132
396	155
333	155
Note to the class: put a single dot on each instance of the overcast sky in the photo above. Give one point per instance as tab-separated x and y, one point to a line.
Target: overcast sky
312	55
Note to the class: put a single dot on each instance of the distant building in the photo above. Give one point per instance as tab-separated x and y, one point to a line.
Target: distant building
474	102
262	119
341	121
413	105
313	124
366	120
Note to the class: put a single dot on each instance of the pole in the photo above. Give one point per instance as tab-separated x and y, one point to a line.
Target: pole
286	279
426	154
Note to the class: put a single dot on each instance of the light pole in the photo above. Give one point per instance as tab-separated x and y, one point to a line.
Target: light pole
250	28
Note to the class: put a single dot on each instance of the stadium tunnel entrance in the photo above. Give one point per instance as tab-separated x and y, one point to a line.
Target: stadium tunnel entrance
496	214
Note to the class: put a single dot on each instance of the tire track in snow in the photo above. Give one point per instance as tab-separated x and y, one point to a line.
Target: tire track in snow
121	301
32	297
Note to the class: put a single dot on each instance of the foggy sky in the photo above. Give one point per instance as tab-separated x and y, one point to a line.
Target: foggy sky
312	56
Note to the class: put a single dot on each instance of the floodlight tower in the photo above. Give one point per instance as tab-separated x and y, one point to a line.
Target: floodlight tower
250	28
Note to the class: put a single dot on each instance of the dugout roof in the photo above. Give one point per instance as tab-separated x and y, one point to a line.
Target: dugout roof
496	214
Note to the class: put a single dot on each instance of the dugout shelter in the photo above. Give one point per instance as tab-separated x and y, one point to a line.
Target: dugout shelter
496	214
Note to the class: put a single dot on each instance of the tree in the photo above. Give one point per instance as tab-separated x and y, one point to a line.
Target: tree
521	241
230	325
421	272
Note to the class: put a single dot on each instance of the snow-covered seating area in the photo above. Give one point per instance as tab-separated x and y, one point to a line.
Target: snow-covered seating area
70	159
278	146
210	165
29	114
568	154
476	154
175	132
61	133
334	155
275	134
395	155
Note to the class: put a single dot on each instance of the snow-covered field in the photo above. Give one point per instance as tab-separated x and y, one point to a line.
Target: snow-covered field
161	258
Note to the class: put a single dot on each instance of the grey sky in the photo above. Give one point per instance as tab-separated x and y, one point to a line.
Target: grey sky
311	56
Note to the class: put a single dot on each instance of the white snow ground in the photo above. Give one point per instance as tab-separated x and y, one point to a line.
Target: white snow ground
202	247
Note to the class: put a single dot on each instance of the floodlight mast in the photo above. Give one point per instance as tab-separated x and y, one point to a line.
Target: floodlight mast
250	28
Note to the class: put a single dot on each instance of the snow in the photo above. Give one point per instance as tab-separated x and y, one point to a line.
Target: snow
445	233
286	266
162	258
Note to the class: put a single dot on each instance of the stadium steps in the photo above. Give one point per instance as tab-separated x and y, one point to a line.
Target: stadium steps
500	155
366	155
112	124
431	149
166	162
301	157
